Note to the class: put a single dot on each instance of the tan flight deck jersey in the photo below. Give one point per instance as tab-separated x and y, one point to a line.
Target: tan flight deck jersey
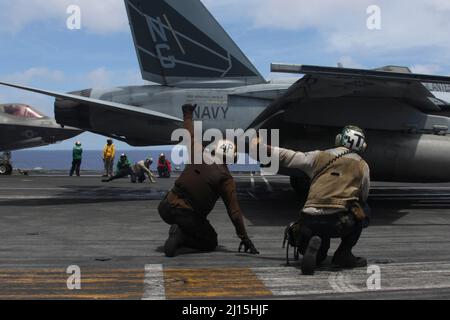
200	185
346	179
140	168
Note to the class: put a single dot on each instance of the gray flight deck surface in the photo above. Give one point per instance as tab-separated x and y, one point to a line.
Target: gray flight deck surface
113	232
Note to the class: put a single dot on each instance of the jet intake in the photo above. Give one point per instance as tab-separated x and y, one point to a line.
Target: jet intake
135	128
74	114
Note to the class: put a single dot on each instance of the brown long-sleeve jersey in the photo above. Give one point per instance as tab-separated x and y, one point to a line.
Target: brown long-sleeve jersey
200	186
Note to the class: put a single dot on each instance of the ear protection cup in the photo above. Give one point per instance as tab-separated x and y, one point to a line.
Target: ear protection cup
338	140
363	148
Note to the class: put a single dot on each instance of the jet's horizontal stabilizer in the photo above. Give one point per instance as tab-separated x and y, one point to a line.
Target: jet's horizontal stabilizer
357	73
178	41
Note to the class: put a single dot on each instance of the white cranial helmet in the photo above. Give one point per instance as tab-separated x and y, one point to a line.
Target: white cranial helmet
352	138
225	151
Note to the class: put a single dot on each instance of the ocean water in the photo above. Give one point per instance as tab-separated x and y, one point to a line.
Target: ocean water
92	159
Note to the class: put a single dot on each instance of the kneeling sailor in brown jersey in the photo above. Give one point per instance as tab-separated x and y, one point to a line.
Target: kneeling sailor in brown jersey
195	194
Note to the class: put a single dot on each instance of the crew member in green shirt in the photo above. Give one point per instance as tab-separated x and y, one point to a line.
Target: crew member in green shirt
123	170
77	156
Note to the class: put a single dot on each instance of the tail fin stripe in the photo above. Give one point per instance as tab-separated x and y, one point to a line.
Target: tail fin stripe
177	34
174	33
200	66
230	66
202	46
189	63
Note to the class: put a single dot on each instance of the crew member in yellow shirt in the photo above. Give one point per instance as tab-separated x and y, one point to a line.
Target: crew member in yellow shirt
109	151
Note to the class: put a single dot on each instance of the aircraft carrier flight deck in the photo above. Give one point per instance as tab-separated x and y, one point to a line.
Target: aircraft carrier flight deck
114	234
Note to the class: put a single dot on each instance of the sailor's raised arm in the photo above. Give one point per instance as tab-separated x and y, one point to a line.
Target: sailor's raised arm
188	123
296	159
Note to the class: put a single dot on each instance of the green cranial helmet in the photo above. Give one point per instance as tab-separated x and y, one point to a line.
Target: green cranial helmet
352	138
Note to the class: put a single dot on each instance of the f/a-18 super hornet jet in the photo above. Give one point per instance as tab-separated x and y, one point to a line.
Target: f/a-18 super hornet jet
23	127
191	59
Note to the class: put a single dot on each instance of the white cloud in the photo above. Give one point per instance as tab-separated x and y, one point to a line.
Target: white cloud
103	78
48	78
37	73
426	68
289	14
103	16
99	78
133	77
342	24
349	62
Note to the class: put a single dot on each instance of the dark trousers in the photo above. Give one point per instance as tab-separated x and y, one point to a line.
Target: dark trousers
122	173
163	172
197	231
339	225
76	165
140	177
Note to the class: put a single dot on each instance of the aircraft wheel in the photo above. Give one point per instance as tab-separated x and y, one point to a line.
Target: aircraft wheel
3	169
301	188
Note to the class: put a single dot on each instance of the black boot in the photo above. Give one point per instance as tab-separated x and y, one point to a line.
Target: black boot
174	241
310	256
346	259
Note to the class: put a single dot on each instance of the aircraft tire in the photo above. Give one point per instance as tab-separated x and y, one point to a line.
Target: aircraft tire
3	169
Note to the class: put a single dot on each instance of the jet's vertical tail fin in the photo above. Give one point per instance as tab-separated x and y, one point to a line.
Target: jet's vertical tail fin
179	40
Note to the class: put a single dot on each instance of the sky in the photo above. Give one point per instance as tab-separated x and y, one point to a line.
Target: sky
37	48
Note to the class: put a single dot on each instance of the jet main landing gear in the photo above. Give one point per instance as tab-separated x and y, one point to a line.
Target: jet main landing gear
5	168
5	164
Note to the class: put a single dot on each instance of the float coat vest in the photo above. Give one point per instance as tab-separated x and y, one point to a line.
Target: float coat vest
337	181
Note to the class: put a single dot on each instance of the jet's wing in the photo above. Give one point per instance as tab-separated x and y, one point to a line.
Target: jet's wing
372	99
131	117
98	103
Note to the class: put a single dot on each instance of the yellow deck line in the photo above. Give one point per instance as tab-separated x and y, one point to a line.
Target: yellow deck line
213	283
51	283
